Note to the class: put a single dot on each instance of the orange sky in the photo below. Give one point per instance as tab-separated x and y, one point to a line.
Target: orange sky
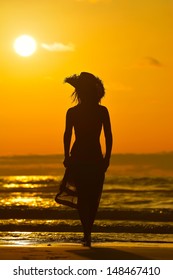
127	43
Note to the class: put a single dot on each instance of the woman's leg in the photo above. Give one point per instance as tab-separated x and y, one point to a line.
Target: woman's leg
88	202
89	186
94	202
84	213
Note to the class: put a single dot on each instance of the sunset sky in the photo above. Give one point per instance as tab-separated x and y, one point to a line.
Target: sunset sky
127	43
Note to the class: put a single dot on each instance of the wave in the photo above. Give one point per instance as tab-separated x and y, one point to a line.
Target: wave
142	181
24	212
48	238
75	226
111	180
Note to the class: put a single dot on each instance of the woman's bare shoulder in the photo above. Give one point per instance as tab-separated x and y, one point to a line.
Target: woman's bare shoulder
103	109
71	110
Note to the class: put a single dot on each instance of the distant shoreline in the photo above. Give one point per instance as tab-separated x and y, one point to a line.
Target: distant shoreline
61	154
156	164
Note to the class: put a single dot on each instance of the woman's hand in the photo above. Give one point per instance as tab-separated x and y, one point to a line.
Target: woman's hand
66	162
106	163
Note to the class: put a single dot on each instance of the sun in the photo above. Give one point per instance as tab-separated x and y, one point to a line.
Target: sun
25	45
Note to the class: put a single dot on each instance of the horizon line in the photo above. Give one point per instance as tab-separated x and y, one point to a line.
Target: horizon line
113	154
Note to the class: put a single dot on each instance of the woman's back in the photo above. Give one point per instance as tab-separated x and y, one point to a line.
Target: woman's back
87	122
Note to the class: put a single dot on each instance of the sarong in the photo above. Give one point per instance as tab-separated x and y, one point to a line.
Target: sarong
80	179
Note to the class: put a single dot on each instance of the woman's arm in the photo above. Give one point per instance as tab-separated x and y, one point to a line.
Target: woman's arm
108	137
67	137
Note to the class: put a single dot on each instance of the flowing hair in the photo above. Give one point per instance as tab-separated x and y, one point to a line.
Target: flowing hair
87	87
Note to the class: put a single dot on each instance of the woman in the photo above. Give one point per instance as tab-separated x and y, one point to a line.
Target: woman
85	164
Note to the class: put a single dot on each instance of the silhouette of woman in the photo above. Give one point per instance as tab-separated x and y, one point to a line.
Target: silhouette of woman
85	164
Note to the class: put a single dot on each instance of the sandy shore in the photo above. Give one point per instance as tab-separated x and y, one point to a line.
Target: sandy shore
99	251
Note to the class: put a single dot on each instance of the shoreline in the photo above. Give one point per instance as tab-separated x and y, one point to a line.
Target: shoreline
98	251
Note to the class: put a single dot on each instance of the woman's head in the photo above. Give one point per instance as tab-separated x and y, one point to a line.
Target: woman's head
88	88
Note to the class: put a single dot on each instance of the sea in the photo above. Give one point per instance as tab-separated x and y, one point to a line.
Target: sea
136	203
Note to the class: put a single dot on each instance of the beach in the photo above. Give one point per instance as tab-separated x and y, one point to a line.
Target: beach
99	251
134	220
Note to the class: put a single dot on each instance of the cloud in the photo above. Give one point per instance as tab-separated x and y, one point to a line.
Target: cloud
148	62
153	61
58	47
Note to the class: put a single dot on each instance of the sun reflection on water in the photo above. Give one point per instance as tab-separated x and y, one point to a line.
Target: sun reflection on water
16	185
32	201
29	201
30	191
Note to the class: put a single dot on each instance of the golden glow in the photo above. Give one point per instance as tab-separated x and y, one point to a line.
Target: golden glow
125	43
25	45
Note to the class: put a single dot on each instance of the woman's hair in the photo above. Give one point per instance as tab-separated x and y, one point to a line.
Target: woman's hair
88	88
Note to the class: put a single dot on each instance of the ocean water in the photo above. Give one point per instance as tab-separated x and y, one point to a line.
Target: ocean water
132	208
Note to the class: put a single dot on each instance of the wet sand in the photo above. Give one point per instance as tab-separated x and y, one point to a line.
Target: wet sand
99	251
